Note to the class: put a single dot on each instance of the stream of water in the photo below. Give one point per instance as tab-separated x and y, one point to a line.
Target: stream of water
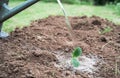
87	64
67	22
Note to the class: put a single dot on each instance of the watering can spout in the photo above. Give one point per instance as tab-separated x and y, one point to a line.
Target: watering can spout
8	13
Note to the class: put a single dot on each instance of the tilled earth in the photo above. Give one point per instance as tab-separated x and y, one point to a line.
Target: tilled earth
30	52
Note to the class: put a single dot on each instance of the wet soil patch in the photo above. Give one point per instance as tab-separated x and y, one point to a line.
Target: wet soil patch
32	52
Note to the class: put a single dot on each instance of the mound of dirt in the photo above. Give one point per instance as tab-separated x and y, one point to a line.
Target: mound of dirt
31	52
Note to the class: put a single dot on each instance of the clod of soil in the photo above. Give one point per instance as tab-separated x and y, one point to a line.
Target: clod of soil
31	52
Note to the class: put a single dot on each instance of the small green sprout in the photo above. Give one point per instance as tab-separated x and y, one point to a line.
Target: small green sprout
75	62
106	30
75	55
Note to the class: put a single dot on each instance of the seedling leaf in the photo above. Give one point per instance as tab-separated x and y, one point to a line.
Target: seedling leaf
75	62
77	52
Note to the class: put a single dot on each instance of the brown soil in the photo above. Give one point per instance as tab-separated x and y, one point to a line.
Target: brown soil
30	52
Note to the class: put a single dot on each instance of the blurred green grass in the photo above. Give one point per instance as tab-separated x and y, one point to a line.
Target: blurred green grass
43	10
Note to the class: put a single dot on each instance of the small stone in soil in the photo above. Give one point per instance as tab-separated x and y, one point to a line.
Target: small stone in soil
36	53
67	73
67	49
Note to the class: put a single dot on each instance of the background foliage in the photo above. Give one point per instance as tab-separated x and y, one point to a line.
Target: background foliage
95	2
45	8
118	8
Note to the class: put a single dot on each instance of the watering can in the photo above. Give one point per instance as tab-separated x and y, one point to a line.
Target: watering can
6	12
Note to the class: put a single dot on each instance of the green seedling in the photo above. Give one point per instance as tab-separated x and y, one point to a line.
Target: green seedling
75	55
75	62
106	30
